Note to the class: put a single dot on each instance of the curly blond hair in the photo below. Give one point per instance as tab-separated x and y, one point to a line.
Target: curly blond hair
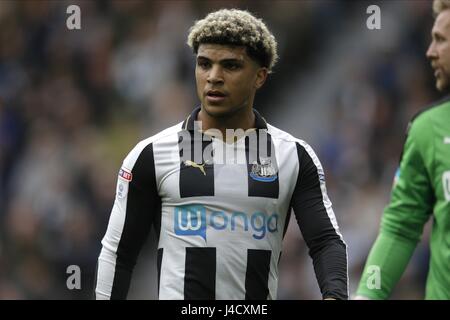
236	27
440	5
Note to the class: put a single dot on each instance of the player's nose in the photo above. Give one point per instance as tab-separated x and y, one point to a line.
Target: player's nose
215	75
431	52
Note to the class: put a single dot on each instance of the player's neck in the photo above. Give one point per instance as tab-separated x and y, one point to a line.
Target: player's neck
243	119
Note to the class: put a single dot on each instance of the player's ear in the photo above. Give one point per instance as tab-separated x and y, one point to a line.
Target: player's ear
261	76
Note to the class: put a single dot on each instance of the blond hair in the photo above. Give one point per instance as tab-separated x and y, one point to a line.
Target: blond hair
440	5
236	27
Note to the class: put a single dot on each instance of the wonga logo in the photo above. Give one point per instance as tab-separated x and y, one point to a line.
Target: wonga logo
190	221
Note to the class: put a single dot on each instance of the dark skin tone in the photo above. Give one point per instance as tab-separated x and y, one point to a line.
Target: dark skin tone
230	71
234	78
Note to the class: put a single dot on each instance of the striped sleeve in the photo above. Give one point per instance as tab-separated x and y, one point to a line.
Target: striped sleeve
136	207
317	222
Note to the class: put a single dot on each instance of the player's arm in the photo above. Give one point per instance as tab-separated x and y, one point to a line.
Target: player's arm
318	225
136	206
403	219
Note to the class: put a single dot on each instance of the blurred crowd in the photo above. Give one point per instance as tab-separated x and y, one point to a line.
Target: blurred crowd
73	103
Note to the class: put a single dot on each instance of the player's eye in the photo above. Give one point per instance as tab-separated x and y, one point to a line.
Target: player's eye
232	66
439	38
203	64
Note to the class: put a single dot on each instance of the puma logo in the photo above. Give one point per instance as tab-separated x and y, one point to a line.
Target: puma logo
201	167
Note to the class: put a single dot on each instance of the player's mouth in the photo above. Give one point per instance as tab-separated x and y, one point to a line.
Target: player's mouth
437	72
215	96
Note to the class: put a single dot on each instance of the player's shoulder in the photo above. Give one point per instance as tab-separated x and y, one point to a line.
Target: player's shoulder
173	130
144	144
302	148
286	137
436	111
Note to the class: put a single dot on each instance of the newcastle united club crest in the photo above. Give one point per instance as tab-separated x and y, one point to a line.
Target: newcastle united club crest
264	172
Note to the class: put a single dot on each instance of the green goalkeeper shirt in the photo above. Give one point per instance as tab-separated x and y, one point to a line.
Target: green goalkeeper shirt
421	189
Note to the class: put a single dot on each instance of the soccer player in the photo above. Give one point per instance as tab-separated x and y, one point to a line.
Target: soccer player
421	188
220	224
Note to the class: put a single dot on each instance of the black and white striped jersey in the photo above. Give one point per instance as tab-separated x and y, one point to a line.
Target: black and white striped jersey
220	224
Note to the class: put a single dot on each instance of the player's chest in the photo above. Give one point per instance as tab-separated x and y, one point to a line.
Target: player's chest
228	181
221	170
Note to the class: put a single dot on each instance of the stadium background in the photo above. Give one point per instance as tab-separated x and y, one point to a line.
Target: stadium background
74	103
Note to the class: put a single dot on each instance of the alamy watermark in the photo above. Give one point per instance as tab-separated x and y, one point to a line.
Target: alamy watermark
237	147
73	21
374	279
74	279
374	20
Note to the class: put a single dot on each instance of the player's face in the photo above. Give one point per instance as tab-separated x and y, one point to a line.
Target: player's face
227	79
439	50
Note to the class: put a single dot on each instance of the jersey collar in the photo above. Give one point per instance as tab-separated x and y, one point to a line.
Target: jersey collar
188	124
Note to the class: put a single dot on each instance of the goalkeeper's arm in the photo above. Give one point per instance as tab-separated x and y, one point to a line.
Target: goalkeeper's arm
403	220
